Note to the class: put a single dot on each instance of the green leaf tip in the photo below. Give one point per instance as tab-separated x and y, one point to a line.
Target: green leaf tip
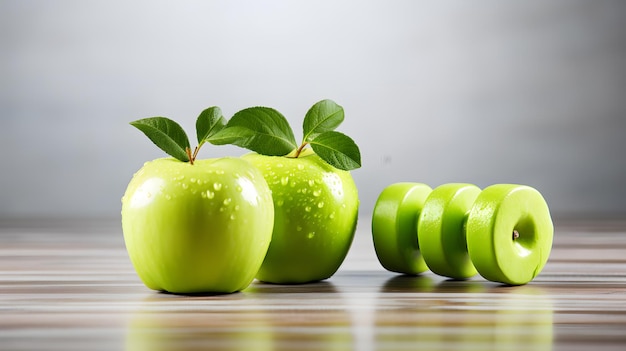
322	117
168	135
209	122
338	149
260	129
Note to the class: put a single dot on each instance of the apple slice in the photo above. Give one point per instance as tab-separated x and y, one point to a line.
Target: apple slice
441	228
509	233
394	227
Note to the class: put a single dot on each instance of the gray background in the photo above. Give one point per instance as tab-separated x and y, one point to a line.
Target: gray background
531	92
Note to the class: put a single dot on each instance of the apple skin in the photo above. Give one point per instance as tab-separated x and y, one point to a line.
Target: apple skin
394	227
441	228
201	228
498	211
316	212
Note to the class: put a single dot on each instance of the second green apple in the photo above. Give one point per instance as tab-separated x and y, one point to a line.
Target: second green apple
315	217
315	198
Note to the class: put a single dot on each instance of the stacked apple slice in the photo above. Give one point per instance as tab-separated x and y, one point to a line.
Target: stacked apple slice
456	230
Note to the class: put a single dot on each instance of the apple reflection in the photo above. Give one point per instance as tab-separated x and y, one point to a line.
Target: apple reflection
262	317
425	313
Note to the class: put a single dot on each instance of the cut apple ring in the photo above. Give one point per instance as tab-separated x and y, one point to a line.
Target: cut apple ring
394	227
509	233
441	228
504	232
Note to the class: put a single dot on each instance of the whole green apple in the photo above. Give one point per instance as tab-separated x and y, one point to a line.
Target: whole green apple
315	198
197	227
315	208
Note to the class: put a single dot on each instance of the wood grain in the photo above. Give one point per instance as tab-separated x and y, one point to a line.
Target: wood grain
70	286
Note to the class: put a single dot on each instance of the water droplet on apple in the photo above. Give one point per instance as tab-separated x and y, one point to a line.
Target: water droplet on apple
284	180
193	180
311	235
232	216
279	165
332	215
203	194
184	185
280	202
300	167
237	207
239	189
311	182
320	204
217	186
168	197
292	184
307	208
210	194
227	201
317	192
219	171
299	228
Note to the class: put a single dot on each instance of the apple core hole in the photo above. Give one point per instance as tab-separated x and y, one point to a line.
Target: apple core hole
524	236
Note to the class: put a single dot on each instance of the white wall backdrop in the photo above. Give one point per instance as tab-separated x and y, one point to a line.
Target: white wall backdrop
484	92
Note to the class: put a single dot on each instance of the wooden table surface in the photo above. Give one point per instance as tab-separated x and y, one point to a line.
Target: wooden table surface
70	286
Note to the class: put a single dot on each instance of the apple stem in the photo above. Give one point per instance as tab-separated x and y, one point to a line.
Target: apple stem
300	149
195	152
190	155
515	234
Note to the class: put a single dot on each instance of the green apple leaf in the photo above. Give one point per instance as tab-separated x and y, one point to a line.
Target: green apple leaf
235	135
209	122
168	135
322	117
338	149
260	129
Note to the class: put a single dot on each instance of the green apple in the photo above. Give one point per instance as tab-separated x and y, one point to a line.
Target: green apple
394	227
509	233
197	228
441	228
316	209
315	198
